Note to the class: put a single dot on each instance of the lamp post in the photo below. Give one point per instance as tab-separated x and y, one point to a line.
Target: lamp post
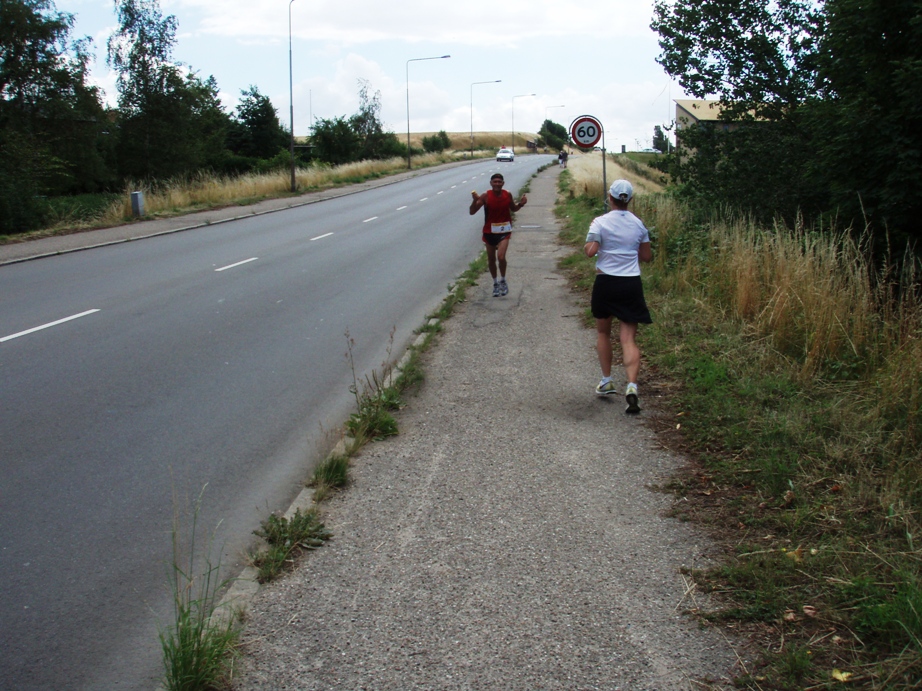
437	57
291	101
548	108
495	81
513	117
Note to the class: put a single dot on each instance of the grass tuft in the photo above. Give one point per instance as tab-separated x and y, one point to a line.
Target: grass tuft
332	473
286	538
198	646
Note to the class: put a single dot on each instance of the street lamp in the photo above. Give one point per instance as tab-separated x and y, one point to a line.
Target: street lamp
437	57
291	101
495	81
548	108
513	117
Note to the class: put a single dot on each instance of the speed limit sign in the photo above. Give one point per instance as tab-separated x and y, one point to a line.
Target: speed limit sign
586	131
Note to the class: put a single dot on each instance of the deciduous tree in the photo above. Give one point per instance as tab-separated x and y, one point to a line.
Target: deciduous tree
51	120
170	120
258	132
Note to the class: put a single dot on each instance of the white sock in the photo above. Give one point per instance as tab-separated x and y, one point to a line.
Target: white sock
605	380
495	280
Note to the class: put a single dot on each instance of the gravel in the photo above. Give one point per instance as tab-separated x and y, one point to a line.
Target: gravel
507	538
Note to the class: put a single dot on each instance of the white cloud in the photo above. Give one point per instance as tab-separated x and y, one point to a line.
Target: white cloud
595	57
363	21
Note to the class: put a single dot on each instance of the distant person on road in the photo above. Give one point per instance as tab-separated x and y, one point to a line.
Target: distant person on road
497	205
565	155
620	241
560	158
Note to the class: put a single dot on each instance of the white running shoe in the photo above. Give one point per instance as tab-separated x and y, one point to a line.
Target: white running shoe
606	388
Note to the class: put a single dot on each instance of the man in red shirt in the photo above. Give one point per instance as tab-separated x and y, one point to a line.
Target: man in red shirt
498	206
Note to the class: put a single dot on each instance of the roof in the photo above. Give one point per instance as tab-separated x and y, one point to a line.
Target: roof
698	110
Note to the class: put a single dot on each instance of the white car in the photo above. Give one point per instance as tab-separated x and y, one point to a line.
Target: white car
505	154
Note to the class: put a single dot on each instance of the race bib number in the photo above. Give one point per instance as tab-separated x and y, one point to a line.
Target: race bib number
501	227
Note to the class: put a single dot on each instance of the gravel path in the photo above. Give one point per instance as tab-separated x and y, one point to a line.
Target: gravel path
506	539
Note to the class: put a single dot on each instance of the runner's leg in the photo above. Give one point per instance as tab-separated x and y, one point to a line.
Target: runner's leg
491	260
629	351
501	255
603	344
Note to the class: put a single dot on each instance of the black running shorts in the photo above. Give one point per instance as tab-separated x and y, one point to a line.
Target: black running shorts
620	297
494	238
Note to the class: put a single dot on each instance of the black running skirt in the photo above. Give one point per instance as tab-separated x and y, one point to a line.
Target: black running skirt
620	297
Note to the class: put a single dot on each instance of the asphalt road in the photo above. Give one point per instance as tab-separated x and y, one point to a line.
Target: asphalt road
213	358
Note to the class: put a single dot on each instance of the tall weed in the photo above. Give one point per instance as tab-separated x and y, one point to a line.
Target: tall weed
199	643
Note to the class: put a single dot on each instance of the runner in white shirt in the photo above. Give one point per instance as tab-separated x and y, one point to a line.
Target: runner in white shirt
620	241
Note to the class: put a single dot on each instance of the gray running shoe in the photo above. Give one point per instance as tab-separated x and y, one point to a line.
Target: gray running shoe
496	290
630	395
503	287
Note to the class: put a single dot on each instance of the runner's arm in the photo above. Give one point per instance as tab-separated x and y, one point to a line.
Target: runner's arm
644	253
477	202
518	205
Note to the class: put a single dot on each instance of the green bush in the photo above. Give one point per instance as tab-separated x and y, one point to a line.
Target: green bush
437	143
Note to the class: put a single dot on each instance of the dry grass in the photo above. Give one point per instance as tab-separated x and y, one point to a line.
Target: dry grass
461	141
207	191
210	191
814	295
586	176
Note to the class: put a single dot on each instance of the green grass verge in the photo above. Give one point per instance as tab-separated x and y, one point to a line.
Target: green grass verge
811	495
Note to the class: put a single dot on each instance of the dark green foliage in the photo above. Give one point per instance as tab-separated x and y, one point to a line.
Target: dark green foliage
360	137
256	131
169	125
24	167
52	123
822	114
437	142
660	142
553	136
752	53
334	140
870	120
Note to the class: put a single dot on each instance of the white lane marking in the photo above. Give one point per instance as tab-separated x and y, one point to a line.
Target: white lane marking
401	208
441	192
320	237
453	186
46	326
424	199
231	266
369	219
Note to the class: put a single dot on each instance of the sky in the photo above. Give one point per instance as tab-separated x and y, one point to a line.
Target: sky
556	59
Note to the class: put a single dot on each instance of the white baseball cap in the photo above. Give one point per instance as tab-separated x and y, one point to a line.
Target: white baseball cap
621	190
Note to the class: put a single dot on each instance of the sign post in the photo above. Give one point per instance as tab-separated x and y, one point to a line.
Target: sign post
586	131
